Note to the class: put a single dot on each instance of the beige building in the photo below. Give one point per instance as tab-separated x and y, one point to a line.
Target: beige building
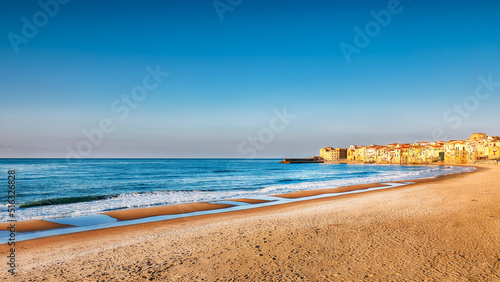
351	153
333	154
460	153
494	148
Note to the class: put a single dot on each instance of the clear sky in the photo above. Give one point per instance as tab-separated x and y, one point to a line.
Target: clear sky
412	69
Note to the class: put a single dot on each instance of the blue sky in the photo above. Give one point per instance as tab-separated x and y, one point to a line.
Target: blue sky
228	77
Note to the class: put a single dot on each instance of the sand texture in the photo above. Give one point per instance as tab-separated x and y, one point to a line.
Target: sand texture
447	229
130	214
309	193
33	225
249	201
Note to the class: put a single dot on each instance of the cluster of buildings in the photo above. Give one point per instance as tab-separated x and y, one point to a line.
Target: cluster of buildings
477	148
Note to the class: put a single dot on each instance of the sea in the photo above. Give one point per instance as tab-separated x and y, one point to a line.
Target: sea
54	188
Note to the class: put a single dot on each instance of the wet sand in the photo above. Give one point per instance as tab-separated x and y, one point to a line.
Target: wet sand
249	201
34	225
309	193
445	228
130	214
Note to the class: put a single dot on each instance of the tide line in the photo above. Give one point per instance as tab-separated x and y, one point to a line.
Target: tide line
100	221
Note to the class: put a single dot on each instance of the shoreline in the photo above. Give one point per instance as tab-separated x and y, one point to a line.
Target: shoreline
186	208
281	240
125	214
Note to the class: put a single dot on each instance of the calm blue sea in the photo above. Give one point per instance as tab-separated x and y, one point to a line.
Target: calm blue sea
48	188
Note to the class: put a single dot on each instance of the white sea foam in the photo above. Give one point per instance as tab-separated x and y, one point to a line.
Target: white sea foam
133	200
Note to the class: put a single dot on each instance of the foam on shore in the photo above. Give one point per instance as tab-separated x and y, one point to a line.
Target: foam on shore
153	214
152	199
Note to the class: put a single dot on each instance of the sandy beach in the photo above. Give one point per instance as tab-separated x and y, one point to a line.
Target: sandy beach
442	229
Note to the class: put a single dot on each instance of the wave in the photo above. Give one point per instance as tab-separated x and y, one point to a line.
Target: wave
358	173
287	180
66	200
224	171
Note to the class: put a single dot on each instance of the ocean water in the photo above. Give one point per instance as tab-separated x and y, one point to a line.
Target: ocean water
51	188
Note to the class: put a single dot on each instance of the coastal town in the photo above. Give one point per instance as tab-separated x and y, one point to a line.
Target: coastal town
478	148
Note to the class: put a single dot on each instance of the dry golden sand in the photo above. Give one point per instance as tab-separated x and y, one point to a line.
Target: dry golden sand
447	229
